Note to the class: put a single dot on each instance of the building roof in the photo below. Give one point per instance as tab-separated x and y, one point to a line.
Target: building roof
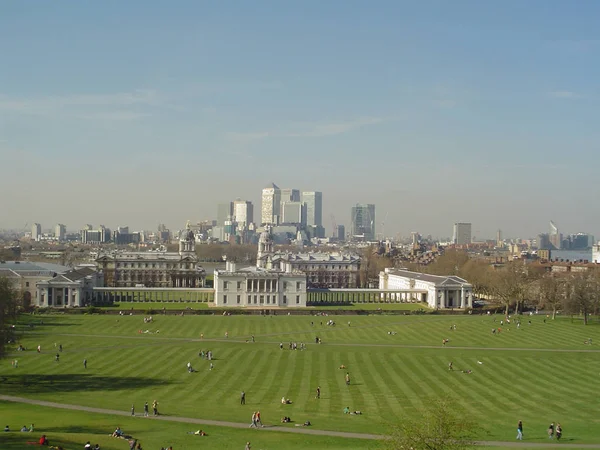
271	186
314	257
253	270
23	266
438	280
144	256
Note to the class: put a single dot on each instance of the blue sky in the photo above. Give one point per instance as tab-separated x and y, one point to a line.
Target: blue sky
141	112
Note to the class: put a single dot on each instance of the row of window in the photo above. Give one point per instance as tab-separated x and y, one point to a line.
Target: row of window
260	299
263	285
139	265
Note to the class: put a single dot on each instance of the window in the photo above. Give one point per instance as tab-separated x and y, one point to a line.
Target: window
27	284
255	299
285	285
298	285
285	299
224	299
239	299
262	299
297	299
239	285
268	299
225	285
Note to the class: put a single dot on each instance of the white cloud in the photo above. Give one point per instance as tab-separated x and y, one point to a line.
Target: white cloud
84	106
308	130
564	94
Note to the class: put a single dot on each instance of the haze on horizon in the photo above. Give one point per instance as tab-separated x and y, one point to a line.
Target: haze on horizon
144	112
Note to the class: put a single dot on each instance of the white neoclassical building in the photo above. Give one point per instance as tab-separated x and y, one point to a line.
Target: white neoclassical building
440	292
70	289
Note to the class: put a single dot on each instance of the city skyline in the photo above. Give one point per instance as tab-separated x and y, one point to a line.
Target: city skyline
437	113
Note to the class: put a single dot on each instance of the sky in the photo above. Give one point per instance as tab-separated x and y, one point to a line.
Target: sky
144	112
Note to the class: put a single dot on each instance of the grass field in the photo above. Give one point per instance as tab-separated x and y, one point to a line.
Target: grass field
539	373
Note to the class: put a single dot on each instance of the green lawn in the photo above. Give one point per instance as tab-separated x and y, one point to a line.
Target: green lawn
72	429
539	373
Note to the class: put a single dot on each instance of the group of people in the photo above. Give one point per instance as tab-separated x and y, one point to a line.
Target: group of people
256	420
88	446
293	346
554	431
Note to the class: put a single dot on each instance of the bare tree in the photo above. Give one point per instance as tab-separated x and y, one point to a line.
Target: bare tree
442	425
513	283
551	292
582	295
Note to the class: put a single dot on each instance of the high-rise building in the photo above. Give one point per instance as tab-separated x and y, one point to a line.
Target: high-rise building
290	195
293	213
462	233
243	212
314	208
271	205
499	238
60	232
224	213
362	222
341	233
555	237
36	232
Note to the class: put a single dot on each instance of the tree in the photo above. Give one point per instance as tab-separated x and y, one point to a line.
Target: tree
551	292
442	425
8	311
582	295
513	283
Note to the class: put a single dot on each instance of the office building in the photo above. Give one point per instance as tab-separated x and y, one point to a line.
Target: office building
271	204
60	232
36	232
340	233
224	213
243	212
362	222
292	213
313	202
555	237
462	233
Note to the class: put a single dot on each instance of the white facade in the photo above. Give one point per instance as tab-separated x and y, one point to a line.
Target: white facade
60	231
70	289
462	234
36	232
440	292
596	254
260	288
243	212
271	203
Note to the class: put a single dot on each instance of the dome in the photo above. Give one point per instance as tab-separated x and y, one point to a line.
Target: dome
265	236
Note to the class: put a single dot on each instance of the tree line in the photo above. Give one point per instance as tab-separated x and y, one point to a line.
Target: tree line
516	284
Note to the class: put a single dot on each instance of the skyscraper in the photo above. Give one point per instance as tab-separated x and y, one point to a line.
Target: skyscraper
271	205
36	232
462	233
224	213
314	208
362	223
243	212
555	236
60	231
293	213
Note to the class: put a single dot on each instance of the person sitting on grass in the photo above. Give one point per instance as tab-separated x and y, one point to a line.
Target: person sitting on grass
7	428
342	366
347	410
43	440
198	432
356	413
117	433
24	429
285	401
285	419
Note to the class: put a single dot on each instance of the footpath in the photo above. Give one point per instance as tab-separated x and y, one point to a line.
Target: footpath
277	428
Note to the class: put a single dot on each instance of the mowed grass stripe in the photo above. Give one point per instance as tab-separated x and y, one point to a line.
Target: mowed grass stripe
371	376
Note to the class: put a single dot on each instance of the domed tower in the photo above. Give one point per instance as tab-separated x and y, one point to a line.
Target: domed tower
265	247
187	241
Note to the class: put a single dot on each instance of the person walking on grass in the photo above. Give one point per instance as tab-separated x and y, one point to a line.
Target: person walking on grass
551	431
155	407
57	357
247	447
243	398
520	430
558	431
133	410
347	379
146	409
318	392
85	363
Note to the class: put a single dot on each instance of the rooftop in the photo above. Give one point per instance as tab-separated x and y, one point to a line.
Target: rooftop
437	279
22	266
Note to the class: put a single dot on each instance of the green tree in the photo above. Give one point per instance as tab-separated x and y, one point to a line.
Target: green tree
442	425
8	310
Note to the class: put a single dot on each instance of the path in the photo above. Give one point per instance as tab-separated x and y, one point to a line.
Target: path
158	339
297	430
